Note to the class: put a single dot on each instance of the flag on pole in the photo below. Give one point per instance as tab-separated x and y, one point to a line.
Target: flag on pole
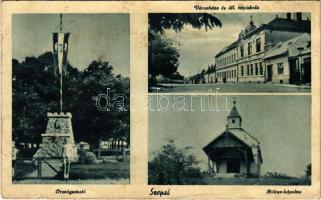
60	49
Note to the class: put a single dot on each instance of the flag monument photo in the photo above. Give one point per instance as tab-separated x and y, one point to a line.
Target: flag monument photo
59	134
58	145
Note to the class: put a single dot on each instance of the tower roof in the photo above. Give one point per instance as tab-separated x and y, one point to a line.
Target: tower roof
234	112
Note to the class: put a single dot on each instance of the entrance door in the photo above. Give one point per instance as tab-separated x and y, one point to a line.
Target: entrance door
233	166
269	73
293	72
306	71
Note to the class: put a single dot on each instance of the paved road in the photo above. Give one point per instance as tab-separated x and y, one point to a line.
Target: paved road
233	88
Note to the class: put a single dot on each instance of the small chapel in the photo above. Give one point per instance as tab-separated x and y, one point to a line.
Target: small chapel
234	152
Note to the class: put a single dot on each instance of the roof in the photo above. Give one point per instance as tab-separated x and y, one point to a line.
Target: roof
303	26
234	113
242	136
290	25
289	47
227	48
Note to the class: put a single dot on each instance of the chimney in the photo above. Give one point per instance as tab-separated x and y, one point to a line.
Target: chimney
288	16
299	16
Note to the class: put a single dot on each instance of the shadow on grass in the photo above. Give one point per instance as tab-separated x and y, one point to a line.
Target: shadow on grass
258	181
23	168
112	170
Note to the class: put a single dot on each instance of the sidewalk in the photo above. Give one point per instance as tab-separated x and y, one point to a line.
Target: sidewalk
291	85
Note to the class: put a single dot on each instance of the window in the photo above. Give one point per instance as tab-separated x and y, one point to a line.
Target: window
242	71
280	68
258	45
256	69
261	68
248	70
249	48
242	51
251	70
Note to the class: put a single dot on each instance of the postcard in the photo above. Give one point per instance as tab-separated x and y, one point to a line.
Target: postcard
160	99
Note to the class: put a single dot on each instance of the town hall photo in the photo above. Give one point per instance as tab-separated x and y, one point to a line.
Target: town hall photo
236	52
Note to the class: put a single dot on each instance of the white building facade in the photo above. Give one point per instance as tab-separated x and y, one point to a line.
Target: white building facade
243	60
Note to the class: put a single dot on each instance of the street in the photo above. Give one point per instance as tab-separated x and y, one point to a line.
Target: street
231	88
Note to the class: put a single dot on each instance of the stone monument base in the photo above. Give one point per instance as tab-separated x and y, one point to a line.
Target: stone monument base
58	133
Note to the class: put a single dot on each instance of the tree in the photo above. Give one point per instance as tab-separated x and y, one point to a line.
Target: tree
160	21
163	57
160	50
92	124
36	92
173	166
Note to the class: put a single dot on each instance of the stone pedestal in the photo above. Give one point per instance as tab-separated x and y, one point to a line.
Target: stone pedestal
58	132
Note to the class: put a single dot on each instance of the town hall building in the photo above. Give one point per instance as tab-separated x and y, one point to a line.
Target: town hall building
244	59
234	152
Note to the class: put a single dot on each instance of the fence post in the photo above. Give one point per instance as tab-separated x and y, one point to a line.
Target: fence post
39	167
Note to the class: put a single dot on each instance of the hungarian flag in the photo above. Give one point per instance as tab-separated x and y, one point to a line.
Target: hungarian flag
60	49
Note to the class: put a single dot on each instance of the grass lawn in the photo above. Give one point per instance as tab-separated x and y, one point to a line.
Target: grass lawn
257	181
106	170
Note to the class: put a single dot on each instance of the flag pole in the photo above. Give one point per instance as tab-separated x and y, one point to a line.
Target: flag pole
61	70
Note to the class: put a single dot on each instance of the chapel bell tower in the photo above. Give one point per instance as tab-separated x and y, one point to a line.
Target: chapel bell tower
234	120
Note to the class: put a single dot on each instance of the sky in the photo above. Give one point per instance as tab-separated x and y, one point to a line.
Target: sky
281	124
93	36
198	47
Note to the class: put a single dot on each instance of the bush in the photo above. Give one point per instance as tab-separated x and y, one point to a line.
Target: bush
308	170
90	157
277	175
81	156
172	166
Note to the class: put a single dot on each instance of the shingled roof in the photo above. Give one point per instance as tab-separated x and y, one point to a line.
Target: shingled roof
289	47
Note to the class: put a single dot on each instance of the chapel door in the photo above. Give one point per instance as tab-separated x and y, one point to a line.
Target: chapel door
233	166
306	69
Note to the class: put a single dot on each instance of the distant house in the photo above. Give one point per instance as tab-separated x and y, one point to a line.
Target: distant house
234	152
290	61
